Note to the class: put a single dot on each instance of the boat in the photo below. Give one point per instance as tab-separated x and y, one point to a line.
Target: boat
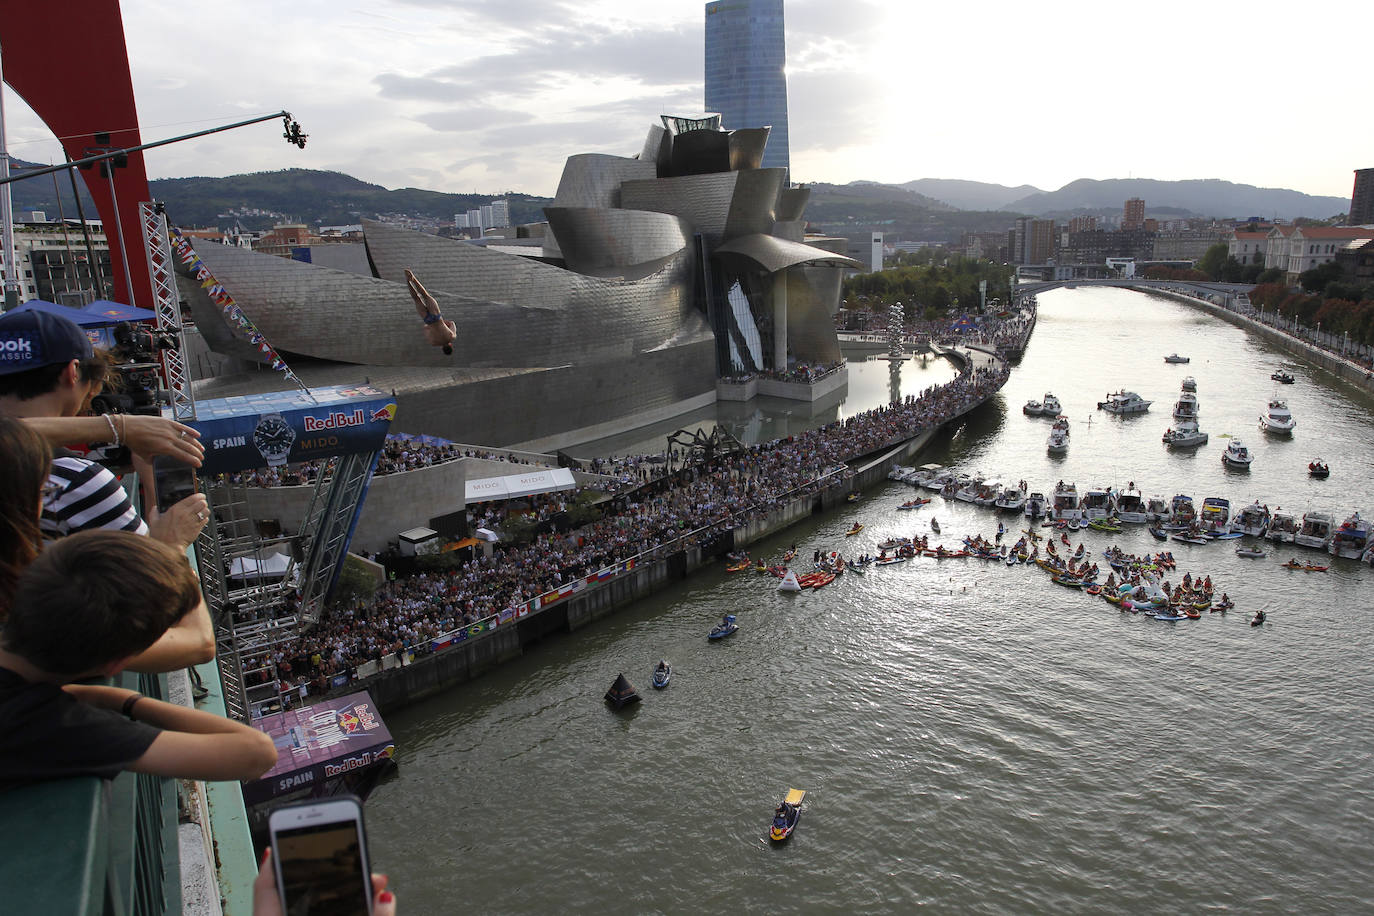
987	493
1237	456
1157	510
726	627
1175	358
1315	530
1098	504
1189	538
1277	419
1351	539
663	673
934	526
1318	469
888	561
900	472
969	488
854	530
622	693
1283	527
1252	520
853	497
1184	434
1283	378
1124	403
1215	517
1306	567
1181	512
1130	507
1064	503
1033	408
1186	407
938	480
786	815
1052	406
1249	552
1189	383
740	566
915	503
1011	499
789	583
1257	619
1108	525
925	473
1058	441
1036	505
1159	534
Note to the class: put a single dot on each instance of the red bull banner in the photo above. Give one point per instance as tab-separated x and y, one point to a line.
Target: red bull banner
284	427
318	742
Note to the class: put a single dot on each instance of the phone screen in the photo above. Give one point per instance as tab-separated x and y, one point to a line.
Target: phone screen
322	870
173	480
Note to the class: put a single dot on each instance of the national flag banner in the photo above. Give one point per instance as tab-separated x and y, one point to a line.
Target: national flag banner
628	565
602	575
507	615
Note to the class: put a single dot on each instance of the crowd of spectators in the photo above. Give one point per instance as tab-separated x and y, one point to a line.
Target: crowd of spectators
675	500
400	454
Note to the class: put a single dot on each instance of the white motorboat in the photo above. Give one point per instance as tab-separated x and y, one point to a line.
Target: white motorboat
1157	510
1351	539
1051	405
924	474
1124	403
969	489
1283	527
1182	514
939	480
1097	503
1175	358
1277	418
1186	407
1058	441
899	472
1033	409
1184	434
1064	503
1036	505
1215	517
987	493
1130	507
1244	551
1011	499
1252	520
1189	383
1237	456
1315	530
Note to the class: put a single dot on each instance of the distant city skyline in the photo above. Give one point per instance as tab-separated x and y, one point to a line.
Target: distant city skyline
482	96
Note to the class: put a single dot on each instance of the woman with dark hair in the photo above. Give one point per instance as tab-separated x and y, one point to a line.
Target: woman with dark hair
27	462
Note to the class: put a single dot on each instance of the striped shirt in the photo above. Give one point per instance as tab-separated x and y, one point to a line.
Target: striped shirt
84	495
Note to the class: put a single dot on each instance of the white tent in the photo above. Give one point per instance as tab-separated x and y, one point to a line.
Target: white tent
273	566
514	486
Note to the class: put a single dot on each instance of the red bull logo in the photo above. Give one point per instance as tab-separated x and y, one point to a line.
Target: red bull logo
349	722
335	420
387	413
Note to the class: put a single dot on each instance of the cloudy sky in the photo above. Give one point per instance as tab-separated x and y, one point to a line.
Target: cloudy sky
491	96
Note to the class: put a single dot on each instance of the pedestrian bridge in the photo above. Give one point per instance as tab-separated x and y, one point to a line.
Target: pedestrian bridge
1219	293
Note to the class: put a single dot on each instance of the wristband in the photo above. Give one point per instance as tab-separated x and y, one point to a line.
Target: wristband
127	710
432	319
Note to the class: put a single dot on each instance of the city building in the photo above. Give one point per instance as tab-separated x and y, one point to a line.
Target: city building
1362	199
655	277
1032	240
1248	246
1192	244
1312	246
1082	223
1133	215
746	81
53	263
1276	246
500	214
875	252
1356	258
1095	246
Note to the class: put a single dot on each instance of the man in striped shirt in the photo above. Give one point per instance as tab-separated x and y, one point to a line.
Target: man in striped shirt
48	370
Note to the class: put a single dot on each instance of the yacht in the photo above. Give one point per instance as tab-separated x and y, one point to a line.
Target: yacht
1350	540
1175	358
938	480
1283	526
969	489
987	493
1186	406
1216	515
1181	511
1064	506
1252	520
1157	511
924	474
1130	507
1315	531
1058	441
1124	402
1278	419
1184	434
1033	409
1098	504
1051	406
899	472
1189	383
1011	499
1237	456
1036	505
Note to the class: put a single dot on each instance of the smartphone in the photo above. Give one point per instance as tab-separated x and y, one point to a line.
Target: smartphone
173	481
319	850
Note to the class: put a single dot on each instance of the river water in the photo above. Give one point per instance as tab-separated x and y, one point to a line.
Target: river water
972	738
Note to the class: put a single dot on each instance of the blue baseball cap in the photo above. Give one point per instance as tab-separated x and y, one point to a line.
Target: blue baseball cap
33	339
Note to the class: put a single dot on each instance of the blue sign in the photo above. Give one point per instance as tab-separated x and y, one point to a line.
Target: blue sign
285	427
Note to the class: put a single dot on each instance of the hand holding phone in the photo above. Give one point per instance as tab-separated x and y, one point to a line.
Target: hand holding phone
320	860
173	481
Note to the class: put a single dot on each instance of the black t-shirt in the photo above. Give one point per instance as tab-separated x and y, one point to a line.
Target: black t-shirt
45	733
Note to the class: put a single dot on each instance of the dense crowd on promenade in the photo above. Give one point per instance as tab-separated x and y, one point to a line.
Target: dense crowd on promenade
672	501
400	454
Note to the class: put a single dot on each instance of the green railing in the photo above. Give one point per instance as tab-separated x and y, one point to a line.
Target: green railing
91	846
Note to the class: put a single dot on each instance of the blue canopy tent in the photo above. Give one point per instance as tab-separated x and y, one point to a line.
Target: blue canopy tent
78	317
118	311
964	325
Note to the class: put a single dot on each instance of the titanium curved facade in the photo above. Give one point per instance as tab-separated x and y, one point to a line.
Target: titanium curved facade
599	242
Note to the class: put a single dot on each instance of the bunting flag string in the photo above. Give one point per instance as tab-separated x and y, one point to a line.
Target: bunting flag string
230	309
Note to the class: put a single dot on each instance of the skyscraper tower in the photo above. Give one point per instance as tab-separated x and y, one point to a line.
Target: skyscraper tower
1133	214
1361	199
745	80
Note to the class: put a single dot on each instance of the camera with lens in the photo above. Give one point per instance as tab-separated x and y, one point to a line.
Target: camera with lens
137	386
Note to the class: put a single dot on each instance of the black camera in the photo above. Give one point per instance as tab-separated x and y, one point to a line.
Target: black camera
137	386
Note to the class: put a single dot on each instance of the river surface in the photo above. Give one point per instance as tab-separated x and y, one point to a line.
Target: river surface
973	738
